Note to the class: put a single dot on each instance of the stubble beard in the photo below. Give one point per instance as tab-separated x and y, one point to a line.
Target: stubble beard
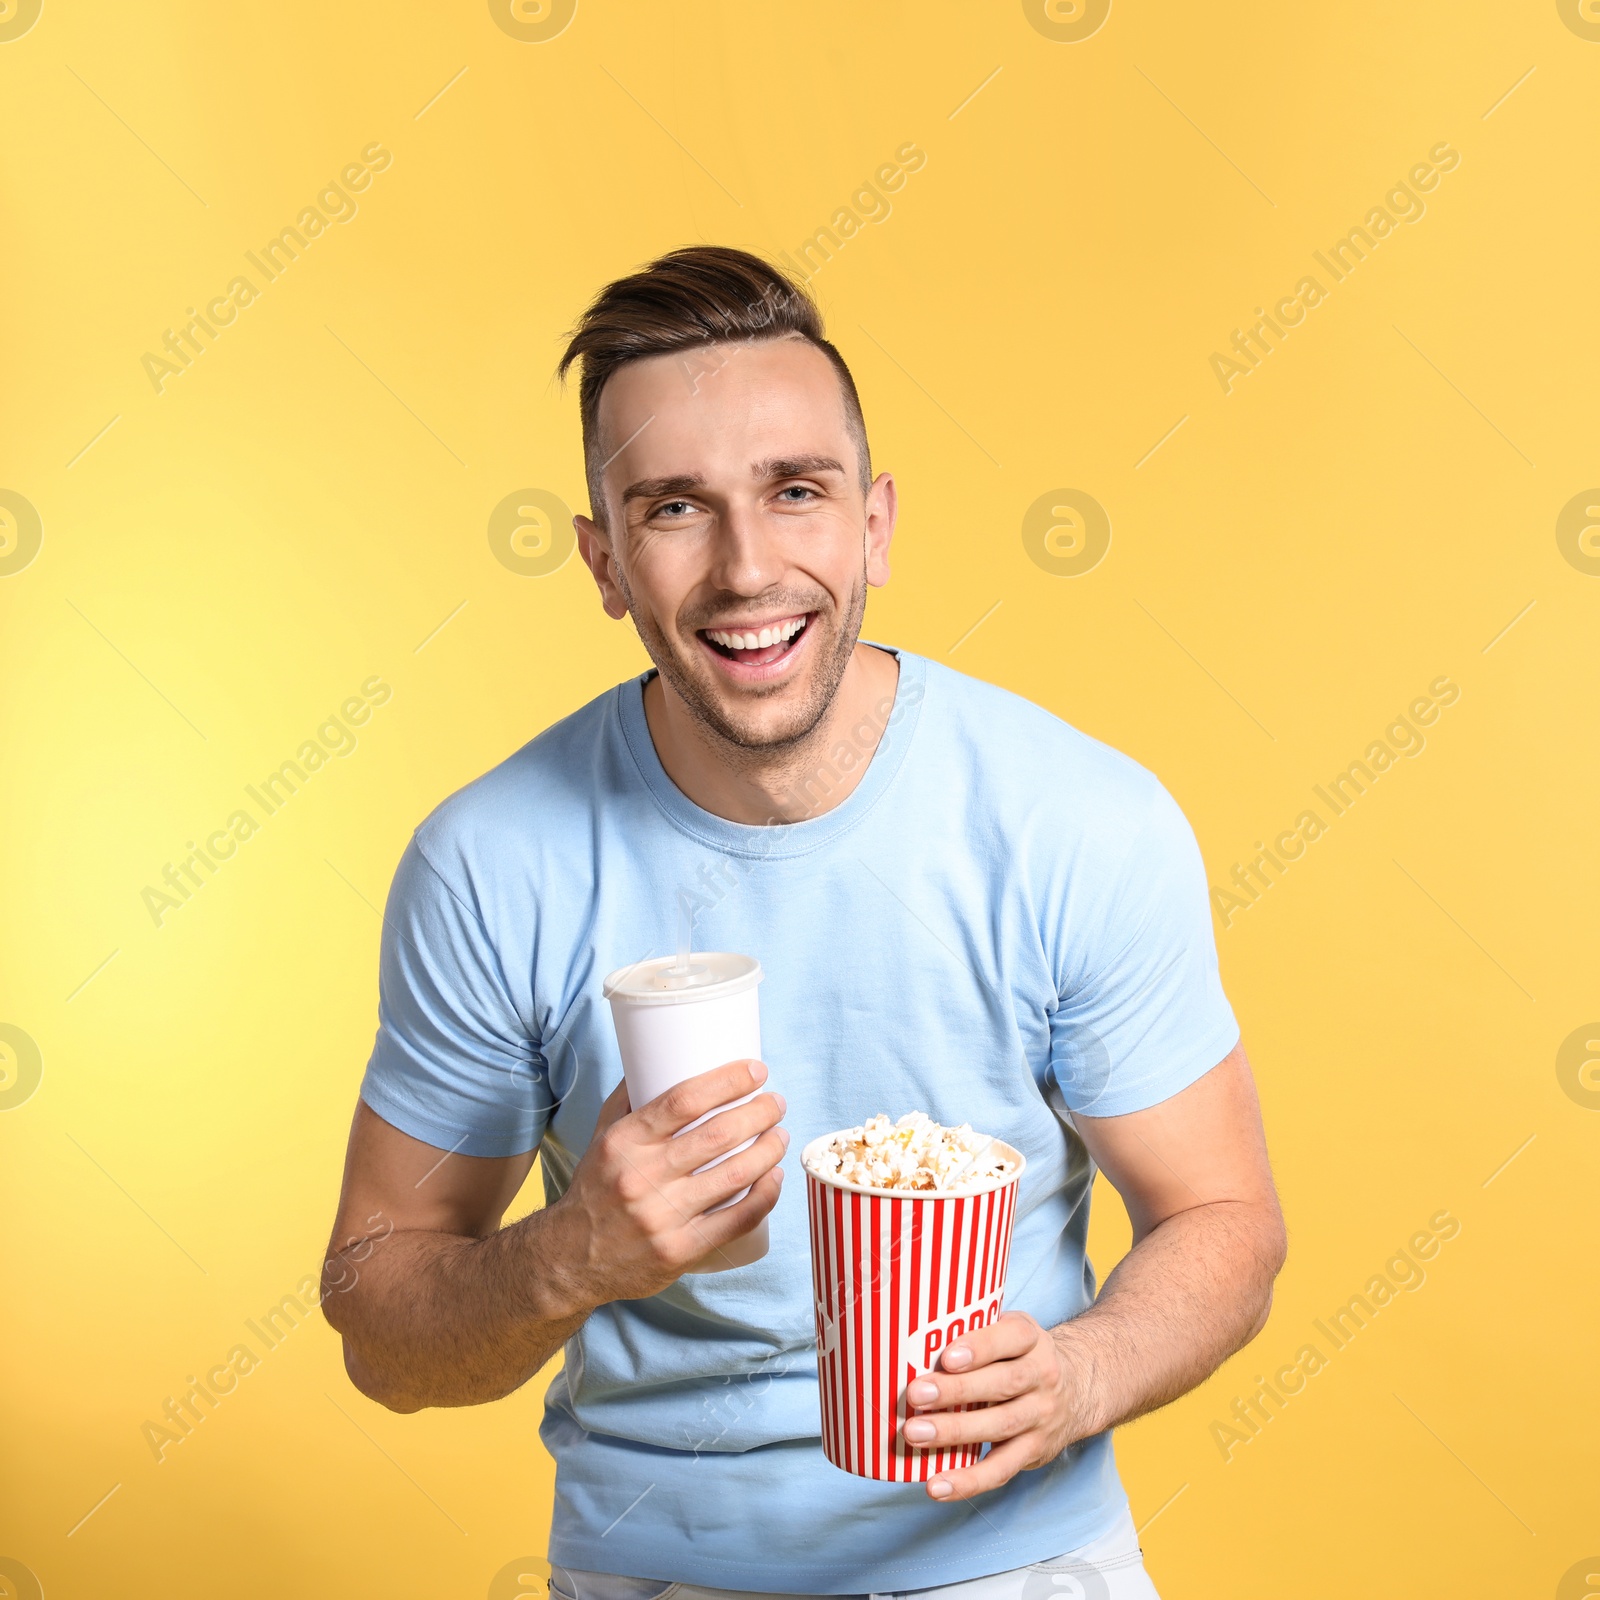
768	749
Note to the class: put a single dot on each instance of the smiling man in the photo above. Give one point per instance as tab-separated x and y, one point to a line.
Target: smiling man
961	904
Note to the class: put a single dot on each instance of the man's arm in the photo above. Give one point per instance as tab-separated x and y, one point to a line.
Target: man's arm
1208	1239
441	1306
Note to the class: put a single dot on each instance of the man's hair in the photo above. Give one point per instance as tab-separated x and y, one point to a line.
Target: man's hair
700	295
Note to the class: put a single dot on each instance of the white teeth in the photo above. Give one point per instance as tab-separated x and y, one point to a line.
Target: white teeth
779	634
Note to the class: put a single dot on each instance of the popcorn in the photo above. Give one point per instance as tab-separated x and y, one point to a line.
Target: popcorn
914	1153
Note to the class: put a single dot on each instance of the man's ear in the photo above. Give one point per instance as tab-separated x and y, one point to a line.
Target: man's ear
594	545
882	509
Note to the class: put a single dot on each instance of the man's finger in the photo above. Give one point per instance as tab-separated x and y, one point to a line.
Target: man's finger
673	1111
720	1228
719	1134
1000	1466
941	1429
1000	1380
1013	1334
706	1190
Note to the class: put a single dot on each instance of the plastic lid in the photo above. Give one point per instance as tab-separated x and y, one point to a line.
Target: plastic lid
711	975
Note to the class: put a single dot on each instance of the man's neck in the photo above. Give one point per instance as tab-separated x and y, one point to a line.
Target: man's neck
801	781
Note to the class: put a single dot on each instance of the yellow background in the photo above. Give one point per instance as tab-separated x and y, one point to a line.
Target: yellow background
304	506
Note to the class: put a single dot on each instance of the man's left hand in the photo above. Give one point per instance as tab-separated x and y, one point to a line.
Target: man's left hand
1033	1393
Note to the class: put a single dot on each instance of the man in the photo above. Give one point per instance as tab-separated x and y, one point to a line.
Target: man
961	905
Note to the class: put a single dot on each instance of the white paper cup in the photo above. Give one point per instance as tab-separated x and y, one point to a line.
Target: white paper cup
898	1274
669	1029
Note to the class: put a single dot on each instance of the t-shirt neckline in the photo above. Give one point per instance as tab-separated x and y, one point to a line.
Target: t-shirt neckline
790	838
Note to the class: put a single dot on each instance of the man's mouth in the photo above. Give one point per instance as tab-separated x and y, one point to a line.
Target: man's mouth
762	644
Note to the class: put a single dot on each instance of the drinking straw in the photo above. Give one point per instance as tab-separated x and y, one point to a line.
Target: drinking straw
680	968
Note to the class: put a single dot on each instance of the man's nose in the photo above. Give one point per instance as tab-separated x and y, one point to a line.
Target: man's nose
746	558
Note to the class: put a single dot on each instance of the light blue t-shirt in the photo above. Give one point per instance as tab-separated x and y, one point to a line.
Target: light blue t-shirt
1004	922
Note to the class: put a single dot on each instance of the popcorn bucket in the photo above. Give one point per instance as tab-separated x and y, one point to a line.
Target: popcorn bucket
898	1274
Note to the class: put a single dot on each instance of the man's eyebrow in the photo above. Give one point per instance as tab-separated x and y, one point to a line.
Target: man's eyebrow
693	482
795	467
649	488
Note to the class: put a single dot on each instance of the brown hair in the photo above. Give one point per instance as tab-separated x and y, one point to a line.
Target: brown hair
700	295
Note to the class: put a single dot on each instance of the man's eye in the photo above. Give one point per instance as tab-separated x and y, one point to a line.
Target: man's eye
797	489
674	508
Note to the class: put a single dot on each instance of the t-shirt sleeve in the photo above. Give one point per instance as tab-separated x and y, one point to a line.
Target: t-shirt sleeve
1145	1015
453	1064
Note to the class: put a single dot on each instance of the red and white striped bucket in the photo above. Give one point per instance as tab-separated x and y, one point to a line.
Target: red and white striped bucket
897	1276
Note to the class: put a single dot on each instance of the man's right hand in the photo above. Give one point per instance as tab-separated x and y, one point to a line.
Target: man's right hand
638	1214
441	1305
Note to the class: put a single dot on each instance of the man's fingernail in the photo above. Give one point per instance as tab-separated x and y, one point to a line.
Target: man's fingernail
783	1105
922	1393
918	1431
956	1357
940	1489
783	1133
758	1071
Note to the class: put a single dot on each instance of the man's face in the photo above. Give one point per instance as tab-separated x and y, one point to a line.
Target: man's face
739	541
